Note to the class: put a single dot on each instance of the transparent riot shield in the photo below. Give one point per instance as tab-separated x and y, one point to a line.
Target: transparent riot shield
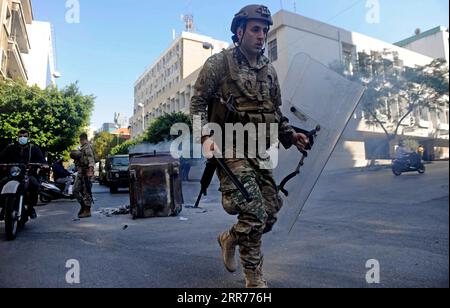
313	95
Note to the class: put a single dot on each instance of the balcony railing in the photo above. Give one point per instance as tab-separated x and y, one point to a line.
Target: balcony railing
19	29
27	10
16	66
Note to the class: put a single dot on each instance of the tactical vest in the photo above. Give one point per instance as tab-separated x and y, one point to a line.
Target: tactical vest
252	95
84	161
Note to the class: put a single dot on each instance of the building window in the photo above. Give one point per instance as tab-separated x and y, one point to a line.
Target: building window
273	50
3	61
424	114
8	20
443	116
347	58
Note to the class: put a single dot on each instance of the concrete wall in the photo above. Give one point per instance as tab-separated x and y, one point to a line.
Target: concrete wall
297	34
194	56
194	53
366	43
435	45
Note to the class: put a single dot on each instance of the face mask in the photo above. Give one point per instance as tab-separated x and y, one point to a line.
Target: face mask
23	140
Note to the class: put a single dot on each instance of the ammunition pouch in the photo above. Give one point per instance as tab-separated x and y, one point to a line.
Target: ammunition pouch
252	97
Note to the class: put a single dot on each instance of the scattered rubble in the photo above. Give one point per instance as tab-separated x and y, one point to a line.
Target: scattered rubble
108	212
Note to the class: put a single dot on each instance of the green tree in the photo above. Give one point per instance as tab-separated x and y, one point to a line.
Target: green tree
159	129
124	148
103	143
55	118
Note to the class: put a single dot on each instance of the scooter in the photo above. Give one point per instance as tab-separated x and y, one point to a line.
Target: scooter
411	163
51	191
13	198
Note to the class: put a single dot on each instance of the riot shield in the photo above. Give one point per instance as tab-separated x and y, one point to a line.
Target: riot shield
313	95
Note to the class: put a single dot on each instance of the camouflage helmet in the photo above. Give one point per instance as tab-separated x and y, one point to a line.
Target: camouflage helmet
75	155
254	11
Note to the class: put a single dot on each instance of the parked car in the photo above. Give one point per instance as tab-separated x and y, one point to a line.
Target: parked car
117	172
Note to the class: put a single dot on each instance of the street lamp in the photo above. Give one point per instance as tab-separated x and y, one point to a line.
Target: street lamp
55	76
143	116
208	45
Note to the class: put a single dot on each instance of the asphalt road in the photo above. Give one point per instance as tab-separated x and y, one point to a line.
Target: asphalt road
352	217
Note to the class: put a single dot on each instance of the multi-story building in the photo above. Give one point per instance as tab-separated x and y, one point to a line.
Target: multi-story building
26	47
167	85
293	34
15	15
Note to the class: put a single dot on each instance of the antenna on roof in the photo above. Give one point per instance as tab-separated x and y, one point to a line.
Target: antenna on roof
188	20
188	17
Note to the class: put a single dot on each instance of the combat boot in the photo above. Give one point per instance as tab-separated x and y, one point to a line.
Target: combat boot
81	210
254	278
32	212
86	213
228	244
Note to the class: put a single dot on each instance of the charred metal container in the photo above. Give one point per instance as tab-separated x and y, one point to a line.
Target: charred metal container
155	185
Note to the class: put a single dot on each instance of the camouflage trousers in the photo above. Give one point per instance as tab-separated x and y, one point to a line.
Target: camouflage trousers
255	218
81	191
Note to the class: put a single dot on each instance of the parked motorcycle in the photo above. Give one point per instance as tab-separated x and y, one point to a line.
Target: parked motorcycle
51	191
14	196
410	163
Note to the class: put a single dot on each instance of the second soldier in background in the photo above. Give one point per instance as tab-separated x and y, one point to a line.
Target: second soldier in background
85	163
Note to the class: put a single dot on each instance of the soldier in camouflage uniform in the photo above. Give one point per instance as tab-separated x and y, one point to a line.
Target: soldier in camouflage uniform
85	167
246	74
